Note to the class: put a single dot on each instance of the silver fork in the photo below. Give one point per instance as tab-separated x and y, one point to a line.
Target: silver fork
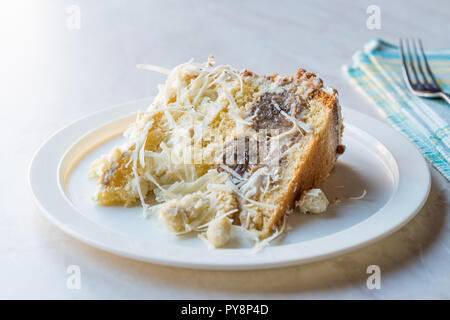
426	86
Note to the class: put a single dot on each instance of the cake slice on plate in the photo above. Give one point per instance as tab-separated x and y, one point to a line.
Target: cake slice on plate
221	148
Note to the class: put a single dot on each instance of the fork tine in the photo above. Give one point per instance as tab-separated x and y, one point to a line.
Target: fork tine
411	63
405	67
419	65
427	66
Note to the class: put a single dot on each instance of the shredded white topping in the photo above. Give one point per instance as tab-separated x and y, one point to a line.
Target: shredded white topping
265	242
153	68
359	197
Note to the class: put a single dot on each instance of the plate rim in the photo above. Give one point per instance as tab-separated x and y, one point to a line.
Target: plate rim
258	263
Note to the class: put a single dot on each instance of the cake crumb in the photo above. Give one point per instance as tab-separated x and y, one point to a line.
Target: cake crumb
312	201
219	232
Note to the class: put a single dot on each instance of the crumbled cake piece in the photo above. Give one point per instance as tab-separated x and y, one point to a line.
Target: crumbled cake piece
219	232
218	144
312	201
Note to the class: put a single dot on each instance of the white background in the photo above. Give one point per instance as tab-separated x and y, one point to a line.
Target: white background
51	76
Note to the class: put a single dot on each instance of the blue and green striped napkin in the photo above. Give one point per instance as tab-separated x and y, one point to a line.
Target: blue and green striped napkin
377	71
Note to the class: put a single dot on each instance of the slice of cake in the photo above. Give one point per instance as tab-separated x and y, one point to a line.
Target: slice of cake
220	148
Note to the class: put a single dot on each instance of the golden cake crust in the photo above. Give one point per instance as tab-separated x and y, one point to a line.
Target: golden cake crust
319	158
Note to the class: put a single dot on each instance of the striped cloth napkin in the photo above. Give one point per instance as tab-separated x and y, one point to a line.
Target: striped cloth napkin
377	71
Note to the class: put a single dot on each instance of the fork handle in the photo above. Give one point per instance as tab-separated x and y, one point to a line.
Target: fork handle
446	97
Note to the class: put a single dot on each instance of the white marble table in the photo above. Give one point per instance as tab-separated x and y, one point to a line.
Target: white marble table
51	75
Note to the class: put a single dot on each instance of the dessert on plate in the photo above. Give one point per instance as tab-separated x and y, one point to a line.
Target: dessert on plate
221	149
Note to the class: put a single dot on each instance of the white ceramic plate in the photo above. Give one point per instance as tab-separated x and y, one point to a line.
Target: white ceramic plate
377	159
